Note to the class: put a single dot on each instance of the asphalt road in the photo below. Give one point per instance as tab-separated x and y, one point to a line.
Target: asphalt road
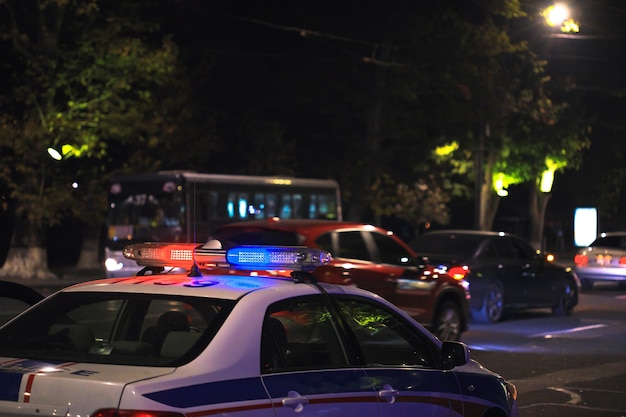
562	366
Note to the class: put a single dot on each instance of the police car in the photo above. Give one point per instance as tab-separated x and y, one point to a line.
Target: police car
234	337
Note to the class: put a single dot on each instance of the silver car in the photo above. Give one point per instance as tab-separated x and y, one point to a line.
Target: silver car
604	260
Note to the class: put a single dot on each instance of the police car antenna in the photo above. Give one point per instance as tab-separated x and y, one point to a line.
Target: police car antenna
194	271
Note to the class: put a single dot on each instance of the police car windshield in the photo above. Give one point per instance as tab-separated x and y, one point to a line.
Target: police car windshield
115	328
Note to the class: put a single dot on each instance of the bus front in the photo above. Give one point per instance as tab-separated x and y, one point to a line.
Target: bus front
142	208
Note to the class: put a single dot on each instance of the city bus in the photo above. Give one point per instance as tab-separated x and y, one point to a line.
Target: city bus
179	206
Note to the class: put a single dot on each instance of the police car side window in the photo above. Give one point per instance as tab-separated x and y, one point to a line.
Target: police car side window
300	334
385	338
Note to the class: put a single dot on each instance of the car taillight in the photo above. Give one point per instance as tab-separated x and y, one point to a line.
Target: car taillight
458	272
113	412
622	260
581	259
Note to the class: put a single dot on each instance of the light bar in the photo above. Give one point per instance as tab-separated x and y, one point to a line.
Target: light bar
294	258
170	254
183	255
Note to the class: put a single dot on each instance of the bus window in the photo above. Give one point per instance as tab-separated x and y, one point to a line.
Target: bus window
258	206
297	206
270	208
312	206
203	209
242	205
285	208
232	197
326	208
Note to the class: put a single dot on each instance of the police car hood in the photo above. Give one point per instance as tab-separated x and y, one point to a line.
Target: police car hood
42	389
473	366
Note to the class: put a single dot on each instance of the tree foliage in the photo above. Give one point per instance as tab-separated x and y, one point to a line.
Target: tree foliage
89	80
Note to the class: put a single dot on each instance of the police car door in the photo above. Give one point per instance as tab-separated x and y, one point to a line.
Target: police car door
403	363
304	366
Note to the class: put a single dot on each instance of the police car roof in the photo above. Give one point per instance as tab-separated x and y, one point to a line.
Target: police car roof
230	287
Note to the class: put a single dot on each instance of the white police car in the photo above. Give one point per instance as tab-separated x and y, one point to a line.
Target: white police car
227	340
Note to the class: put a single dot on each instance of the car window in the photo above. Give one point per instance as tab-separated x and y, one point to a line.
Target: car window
300	334
11	308
324	242
15	298
385	338
352	246
522	249
488	250
115	328
390	251
249	236
458	244
506	250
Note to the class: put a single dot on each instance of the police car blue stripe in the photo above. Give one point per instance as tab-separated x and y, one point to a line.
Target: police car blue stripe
278	385
10	383
11	373
248	389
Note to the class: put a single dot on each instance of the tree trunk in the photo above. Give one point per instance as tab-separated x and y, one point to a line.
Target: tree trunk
489	200
537	208
27	258
26	264
90	249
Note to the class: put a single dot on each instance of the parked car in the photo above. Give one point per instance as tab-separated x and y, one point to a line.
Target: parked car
504	272
225	338
371	258
604	260
15	298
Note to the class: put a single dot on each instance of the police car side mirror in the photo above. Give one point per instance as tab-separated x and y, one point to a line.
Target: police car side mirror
454	354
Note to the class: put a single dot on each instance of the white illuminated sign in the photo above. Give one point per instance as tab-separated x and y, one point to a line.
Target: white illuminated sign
585	225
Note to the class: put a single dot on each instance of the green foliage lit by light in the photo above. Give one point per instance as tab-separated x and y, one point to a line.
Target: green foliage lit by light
447	149
502	181
547	177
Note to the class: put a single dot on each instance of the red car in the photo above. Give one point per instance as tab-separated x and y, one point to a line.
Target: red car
370	258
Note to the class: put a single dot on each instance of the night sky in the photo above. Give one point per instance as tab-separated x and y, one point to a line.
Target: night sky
270	56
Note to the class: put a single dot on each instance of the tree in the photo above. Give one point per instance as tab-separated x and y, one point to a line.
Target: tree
419	204
516	128
551	137
90	80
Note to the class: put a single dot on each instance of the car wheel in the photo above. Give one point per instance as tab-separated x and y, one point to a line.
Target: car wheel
493	305
447	324
567	301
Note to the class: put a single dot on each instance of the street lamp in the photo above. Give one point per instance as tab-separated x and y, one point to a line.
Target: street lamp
54	154
558	15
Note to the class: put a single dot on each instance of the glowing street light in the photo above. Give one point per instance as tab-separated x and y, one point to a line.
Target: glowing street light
558	15
54	154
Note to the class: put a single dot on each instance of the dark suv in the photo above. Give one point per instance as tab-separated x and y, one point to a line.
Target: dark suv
371	258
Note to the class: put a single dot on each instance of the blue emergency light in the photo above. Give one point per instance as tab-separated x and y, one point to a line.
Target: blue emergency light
299	258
